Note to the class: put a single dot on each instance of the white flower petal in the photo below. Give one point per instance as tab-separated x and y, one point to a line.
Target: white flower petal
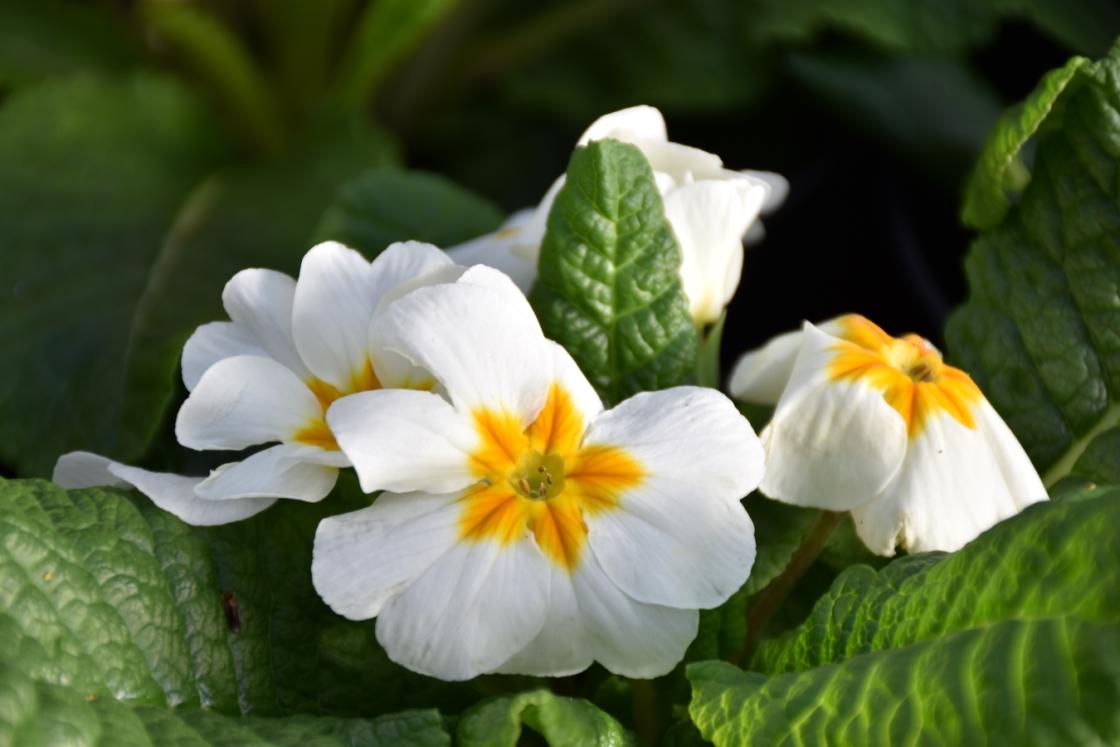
562	647
271	473
761	375
470	612
334	303
244	401
683	163
777	188
407	265
627	637
567	374
402	440
628	125
709	219
260	301
954	485
681	537
514	248
478	337
831	444
213	342
172	493
364	558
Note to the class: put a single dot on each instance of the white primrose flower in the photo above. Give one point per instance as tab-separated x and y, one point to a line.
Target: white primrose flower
269	375
709	207
528	529
881	427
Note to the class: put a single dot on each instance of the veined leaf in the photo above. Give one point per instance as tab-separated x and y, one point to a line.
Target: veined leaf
1039	330
609	287
1022	682
563	722
380	207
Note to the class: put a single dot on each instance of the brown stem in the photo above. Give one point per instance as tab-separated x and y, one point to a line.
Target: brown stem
770	599
645	711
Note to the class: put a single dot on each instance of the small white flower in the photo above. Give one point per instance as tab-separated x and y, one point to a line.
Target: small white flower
709	207
529	530
269	375
881	427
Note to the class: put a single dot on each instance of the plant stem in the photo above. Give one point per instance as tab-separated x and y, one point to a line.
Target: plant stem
770	599
645	711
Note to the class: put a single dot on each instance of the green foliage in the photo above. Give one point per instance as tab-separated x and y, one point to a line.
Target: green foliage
609	287
380	207
1001	171
1021	620
1038	331
1023	682
563	722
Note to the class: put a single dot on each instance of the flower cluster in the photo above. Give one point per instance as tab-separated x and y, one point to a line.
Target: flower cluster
520	526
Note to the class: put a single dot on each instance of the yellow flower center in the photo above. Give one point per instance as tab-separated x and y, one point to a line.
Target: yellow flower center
542	480
316	432
907	370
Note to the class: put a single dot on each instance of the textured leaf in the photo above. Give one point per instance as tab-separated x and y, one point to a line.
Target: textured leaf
380	207
115	599
1054	559
563	722
34	713
119	255
1039	330
609	287
1021	682
1001	171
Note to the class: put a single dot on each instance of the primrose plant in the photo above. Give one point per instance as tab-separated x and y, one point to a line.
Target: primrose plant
539	505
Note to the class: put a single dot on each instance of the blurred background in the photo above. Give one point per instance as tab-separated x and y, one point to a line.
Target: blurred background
149	149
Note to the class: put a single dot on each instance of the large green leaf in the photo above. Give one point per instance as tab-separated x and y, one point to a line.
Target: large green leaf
387	205
1021	682
609	288
1054	559
35	713
117	247
1001	170
112	598
1039	330
563	722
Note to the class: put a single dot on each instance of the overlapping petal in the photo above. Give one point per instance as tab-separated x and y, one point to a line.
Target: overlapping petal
260	302
276	472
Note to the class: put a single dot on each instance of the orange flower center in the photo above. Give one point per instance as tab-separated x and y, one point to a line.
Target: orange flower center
316	432
907	370
542	480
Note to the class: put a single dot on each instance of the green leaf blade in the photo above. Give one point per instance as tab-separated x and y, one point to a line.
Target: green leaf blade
563	722
609	287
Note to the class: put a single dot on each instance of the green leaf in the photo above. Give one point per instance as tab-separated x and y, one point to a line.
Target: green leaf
1039	330
112	598
609	288
94	173
380	207
40	39
112	274
1001	171
563	722
34	713
1022	682
386	31
1053	560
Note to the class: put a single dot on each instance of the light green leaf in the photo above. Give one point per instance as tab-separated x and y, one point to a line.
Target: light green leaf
35	713
380	207
1039	330
563	722
108	596
1021	682
1054	559
609	287
1001	171
116	257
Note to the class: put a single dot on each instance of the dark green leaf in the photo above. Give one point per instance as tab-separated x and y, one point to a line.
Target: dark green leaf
1021	682
1001	171
1054	559
609	288
1039	330
563	722
380	207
